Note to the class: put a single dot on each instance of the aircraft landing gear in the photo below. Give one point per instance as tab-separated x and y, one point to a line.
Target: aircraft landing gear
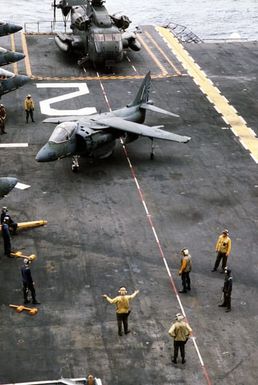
152	149
75	164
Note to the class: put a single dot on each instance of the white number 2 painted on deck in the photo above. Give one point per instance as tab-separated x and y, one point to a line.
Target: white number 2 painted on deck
45	105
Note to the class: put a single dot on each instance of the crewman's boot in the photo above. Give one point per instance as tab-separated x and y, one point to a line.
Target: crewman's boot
222	305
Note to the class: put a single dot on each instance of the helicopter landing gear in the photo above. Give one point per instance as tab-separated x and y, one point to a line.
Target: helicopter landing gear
83	60
152	149
75	164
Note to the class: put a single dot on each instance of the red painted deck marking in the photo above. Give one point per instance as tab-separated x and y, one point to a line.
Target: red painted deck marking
149	218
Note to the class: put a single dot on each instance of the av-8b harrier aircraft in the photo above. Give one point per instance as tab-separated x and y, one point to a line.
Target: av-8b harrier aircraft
95	136
8	80
6	56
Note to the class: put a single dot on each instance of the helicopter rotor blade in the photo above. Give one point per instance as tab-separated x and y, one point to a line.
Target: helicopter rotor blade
54	5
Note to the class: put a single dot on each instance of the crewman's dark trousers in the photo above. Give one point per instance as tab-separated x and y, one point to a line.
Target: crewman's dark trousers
223	257
26	288
186	282
29	113
2	127
122	318
227	300
179	345
7	245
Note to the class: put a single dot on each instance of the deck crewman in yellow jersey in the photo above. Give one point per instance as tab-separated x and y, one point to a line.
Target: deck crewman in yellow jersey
223	248
122	308
185	269
180	331
29	108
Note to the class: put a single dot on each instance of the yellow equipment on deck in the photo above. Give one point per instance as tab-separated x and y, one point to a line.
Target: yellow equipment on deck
29	225
20	308
18	254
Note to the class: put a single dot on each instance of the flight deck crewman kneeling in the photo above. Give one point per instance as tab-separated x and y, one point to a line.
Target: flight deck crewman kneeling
122	308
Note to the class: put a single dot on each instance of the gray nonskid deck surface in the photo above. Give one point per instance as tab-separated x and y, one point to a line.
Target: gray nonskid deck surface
99	238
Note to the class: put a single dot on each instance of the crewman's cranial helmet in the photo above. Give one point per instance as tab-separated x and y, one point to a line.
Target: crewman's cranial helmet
90	379
122	290
4	208
179	317
225	231
26	261
29	96
185	251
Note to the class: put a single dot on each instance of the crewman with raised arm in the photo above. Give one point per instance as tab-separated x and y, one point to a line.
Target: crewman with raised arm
122	308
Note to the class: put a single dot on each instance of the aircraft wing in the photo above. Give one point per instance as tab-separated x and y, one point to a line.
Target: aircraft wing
60	119
142	129
153	108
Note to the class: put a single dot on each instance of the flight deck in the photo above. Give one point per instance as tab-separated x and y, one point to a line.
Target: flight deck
122	221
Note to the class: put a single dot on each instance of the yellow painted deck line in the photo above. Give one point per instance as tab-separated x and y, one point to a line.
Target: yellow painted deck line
15	65
154	57
26	53
229	114
163	53
102	77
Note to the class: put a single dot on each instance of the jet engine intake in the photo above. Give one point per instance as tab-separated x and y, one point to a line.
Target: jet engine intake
130	41
121	21
79	19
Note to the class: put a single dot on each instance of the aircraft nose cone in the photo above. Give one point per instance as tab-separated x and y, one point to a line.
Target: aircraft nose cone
13	28
17	56
13	57
22	79
46	154
6	185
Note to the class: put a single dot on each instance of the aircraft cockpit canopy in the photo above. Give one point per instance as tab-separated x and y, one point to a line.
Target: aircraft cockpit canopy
63	132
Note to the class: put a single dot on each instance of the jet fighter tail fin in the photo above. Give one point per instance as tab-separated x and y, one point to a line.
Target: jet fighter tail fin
143	92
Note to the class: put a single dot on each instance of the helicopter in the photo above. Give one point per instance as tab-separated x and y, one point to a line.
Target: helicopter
96	36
